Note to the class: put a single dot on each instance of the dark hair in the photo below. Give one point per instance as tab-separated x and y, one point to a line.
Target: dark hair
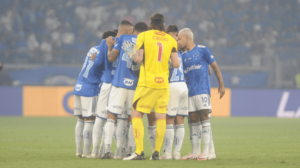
157	22
108	33
172	28
116	30
1	66
140	27
125	23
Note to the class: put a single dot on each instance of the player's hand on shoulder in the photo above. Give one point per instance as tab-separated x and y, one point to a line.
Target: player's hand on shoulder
93	56
110	41
221	90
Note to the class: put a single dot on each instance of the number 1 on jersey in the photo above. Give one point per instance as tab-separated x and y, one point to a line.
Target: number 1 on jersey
160	51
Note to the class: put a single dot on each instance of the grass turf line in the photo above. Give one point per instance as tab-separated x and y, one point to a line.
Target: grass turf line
239	142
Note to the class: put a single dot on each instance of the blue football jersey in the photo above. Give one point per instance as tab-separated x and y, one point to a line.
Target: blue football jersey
108	68
89	77
176	74
195	64
125	76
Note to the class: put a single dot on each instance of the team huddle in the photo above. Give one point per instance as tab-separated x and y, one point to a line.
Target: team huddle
137	70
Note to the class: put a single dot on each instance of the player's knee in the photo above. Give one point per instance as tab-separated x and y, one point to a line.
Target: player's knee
179	120
204	114
90	118
194	117
170	120
111	116
80	117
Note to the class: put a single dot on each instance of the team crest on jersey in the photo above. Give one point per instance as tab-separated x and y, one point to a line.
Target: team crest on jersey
159	79
133	40
78	87
128	82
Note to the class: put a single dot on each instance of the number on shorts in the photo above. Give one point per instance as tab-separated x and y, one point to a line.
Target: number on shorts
160	51
204	99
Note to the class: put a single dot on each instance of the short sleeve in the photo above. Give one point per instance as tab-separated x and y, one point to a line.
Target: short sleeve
208	56
118	43
140	40
100	56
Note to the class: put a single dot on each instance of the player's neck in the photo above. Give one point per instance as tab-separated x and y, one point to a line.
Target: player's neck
190	46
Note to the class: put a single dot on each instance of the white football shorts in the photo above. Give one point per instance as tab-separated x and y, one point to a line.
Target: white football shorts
199	102
178	103
120	100
102	101
85	106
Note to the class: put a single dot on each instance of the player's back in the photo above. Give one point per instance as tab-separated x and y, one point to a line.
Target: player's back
89	76
158	46
125	76
176	74
108	68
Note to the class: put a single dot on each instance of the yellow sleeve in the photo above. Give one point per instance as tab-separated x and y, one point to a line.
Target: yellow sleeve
140	41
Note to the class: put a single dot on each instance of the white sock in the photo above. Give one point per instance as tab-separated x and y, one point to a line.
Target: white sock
109	130
97	133
131	141
152	135
125	144
206	135
79	135
169	138
120	135
87	136
114	135
179	136
190	129
195	138
211	143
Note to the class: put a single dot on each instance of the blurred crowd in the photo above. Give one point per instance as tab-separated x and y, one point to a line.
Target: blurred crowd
238	32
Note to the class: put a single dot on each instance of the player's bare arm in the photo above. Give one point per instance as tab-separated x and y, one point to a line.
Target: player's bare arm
218	74
175	60
209	70
112	56
139	55
110	42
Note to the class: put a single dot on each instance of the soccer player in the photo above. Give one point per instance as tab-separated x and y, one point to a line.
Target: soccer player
153	49
196	63
122	90
85	97
108	69
177	107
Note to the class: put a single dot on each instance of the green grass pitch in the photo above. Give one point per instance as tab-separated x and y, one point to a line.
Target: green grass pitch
239	142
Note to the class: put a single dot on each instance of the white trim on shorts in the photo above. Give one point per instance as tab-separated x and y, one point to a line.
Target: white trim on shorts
85	106
199	102
120	101
178	103
101	111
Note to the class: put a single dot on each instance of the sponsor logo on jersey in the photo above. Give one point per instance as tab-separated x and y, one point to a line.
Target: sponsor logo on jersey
193	67
78	87
128	82
160	33
133	40
160	38
159	79
212	57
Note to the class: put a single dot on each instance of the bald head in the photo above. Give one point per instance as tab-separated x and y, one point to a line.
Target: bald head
187	32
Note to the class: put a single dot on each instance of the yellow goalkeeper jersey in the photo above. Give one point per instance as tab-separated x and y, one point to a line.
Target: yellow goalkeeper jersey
158	46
